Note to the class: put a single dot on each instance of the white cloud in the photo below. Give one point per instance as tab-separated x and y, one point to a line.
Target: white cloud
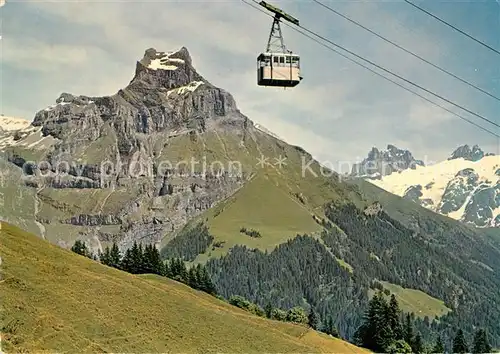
424	115
32	55
319	146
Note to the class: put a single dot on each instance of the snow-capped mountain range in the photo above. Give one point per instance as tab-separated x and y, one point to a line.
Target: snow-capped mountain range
465	187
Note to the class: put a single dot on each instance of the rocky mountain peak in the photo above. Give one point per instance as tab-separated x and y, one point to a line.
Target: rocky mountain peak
153	54
166	95
165	70
374	153
467	153
143	140
381	163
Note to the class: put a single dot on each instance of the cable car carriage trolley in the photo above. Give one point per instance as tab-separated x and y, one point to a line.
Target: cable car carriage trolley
277	66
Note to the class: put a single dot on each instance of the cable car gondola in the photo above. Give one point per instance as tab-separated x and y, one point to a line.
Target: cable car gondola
278	67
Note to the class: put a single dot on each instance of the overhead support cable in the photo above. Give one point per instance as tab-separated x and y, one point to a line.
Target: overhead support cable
377	73
406	50
454	27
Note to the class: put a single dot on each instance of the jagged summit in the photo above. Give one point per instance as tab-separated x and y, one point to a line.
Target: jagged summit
467	153
166	95
155	59
381	163
159	70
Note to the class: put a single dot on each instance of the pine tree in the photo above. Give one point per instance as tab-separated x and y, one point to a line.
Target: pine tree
206	283
481	343
334	332
127	263
418	345
135	259
408	335
393	316
326	325
459	343
193	278
174	271
313	319
105	257
439	346
156	263
141	262
167	272
80	248
269	309
199	276
172	266
329	328
147	260
115	256
181	266
375	332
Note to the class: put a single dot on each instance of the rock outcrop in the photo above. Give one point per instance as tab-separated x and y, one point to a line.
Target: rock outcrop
382	163
471	154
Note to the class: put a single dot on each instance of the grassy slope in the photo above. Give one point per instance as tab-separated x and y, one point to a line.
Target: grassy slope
404	210
416	301
53	299
267	203
265	207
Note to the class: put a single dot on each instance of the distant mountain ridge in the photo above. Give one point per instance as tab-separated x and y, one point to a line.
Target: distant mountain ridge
381	163
467	153
465	187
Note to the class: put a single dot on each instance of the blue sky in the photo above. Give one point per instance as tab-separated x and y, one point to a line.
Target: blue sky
337	113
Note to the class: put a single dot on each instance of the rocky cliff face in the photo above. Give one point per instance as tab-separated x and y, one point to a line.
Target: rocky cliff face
166	97
124	162
382	163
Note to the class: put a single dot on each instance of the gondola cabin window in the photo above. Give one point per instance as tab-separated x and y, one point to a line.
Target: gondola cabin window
278	69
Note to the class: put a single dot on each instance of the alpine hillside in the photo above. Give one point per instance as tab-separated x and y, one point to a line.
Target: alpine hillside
54	300
169	160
